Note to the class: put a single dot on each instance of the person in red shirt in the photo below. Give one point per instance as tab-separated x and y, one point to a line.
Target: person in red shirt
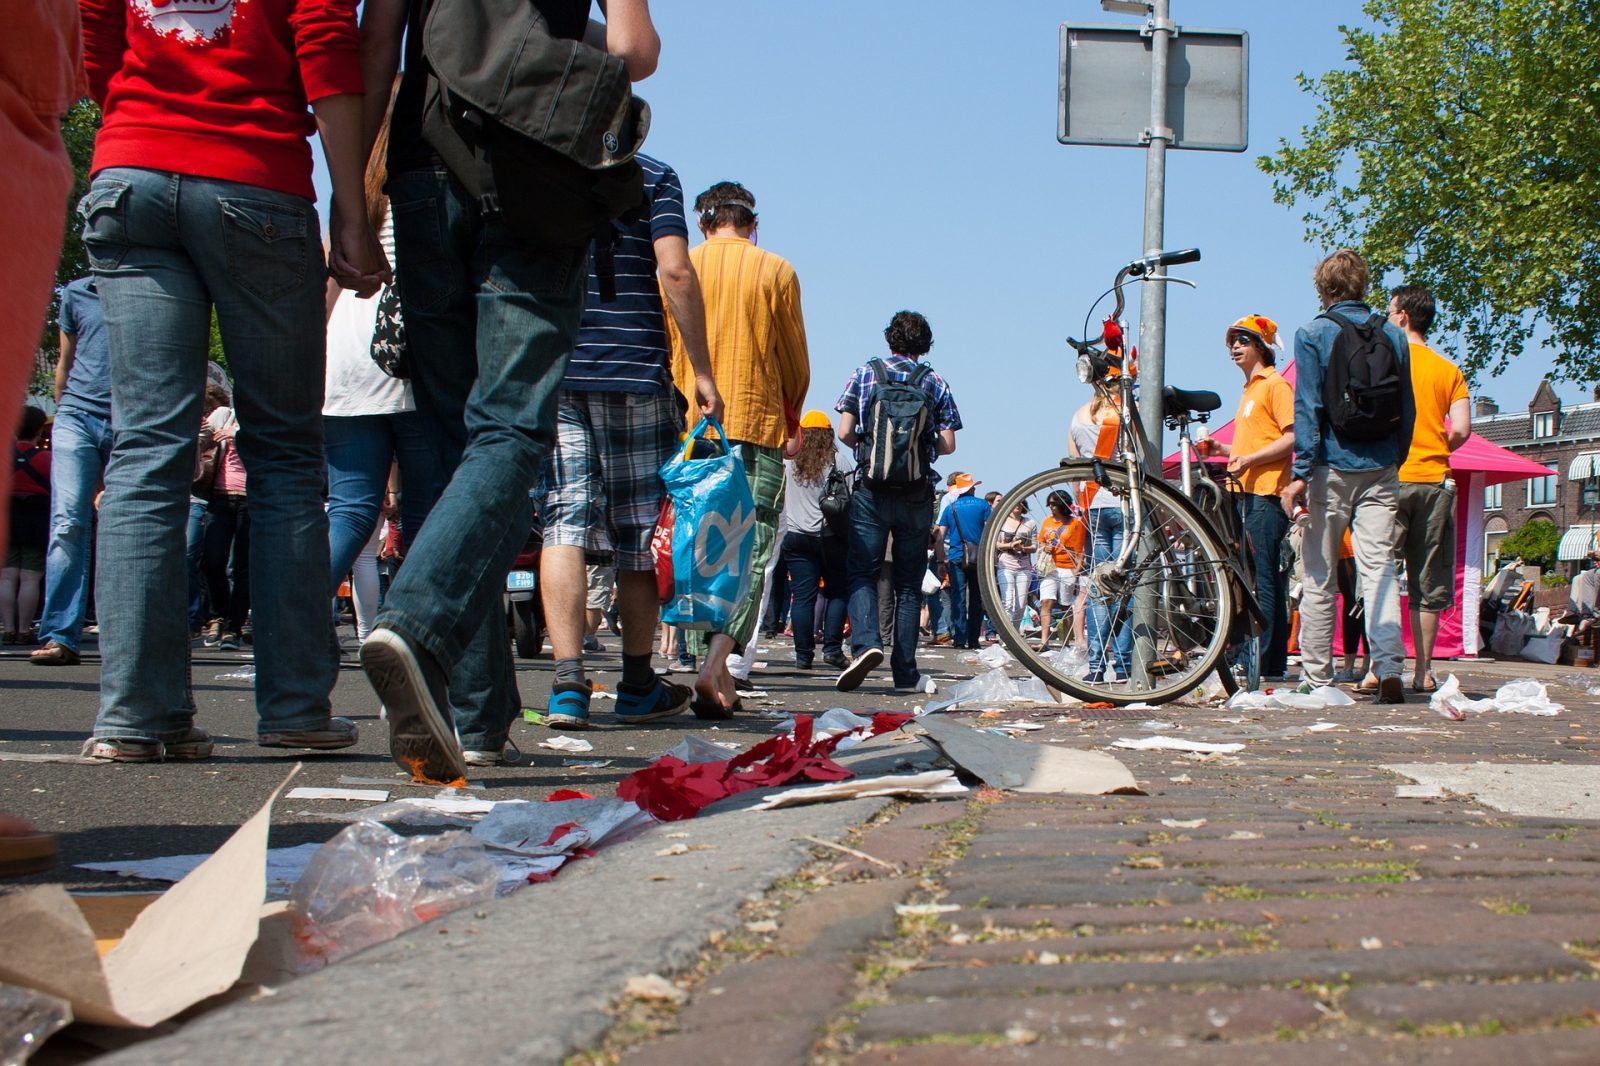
201	201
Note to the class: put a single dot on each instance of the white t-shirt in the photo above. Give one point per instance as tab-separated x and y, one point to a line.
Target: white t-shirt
354	385
1086	434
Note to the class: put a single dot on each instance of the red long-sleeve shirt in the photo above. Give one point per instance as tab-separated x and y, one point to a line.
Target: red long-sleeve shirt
217	88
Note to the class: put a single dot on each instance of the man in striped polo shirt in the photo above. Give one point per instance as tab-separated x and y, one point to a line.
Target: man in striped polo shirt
618	420
757	338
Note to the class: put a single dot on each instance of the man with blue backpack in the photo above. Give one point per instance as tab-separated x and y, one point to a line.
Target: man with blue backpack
899	416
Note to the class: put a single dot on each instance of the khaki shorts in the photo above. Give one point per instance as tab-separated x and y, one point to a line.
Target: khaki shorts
1425	532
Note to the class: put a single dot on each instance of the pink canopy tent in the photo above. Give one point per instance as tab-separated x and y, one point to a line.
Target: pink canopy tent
1476	465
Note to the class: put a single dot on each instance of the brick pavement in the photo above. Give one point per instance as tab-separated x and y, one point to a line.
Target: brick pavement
1314	916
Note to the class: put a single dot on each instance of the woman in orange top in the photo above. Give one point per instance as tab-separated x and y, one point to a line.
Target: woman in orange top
1062	535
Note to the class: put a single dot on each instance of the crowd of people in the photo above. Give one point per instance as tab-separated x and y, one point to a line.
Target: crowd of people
453	381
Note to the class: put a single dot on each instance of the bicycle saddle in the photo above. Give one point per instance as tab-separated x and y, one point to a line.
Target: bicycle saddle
1178	401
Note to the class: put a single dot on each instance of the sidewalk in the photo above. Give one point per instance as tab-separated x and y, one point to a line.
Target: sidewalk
1277	906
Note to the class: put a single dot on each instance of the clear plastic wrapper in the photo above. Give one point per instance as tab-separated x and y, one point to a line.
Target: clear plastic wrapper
1522	696
27	1019
369	884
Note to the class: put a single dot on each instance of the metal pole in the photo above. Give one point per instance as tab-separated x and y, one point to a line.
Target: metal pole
1152	318
1153	298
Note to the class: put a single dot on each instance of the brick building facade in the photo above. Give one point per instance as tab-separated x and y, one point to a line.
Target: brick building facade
1565	438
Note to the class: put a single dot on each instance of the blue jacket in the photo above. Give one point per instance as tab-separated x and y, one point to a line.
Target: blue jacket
1315	442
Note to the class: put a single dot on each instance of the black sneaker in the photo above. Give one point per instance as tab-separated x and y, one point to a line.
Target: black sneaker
863	664
415	691
837	660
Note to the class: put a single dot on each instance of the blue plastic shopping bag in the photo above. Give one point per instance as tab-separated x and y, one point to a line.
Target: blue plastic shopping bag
713	532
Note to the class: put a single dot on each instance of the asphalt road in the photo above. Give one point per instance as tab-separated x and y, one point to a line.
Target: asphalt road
106	812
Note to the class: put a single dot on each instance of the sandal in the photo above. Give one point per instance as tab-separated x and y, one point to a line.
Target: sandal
1428	687
712	711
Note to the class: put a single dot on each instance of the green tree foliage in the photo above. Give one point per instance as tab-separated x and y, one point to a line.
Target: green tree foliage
78	130
1461	148
1535	543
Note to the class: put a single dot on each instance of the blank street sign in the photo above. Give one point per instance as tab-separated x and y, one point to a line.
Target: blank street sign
1105	87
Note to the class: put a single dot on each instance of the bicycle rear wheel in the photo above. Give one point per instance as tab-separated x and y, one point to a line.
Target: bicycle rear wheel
1170	608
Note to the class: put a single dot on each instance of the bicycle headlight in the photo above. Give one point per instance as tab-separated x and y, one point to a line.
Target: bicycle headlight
1086	369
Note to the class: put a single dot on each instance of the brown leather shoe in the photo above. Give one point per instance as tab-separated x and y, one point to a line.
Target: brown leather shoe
53	654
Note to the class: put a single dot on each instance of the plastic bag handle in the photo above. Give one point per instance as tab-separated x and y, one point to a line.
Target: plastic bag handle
706	422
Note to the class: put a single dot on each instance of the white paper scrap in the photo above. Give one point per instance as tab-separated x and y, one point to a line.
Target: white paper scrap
931	783
572	744
364	795
1175	744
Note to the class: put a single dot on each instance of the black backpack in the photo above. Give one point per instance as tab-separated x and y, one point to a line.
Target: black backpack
899	414
835	502
1362	387
541	129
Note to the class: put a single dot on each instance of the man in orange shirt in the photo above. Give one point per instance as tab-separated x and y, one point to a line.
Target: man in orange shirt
1262	449
1425	522
757	340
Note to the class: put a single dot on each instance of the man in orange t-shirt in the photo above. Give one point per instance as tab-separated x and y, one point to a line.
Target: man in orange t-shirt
1262	449
1425	522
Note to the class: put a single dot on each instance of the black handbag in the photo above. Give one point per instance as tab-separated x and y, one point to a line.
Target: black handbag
835	502
389	334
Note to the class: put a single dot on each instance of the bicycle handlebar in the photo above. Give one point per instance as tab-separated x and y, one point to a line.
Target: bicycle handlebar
1139	268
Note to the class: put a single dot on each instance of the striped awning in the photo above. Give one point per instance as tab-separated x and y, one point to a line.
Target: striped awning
1584	465
1577	542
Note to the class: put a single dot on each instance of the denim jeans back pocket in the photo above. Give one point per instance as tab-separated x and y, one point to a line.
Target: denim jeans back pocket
104	210
268	245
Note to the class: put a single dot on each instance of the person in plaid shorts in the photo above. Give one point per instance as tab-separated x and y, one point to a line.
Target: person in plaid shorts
617	421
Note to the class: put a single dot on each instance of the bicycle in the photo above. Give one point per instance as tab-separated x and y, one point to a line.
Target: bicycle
1169	601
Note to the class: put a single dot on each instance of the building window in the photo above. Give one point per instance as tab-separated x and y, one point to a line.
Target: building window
1544	424
1542	491
1493	497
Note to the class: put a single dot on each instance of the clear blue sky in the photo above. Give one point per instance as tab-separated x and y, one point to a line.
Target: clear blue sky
903	155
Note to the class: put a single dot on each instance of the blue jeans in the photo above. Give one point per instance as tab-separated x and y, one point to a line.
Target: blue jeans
813	560
1105	541
873	517
938	624
1267	525
360	450
197	588
166	249
490	325
225	557
966	606
80	447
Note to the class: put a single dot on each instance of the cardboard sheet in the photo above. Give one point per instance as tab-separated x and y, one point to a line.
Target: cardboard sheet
1021	766
188	945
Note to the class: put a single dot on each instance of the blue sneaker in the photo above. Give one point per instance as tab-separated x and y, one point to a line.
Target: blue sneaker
569	707
661	699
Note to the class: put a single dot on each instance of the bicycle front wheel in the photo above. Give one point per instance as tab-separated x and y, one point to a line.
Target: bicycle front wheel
1153	628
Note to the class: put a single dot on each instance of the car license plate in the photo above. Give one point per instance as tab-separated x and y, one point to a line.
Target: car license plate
521	580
